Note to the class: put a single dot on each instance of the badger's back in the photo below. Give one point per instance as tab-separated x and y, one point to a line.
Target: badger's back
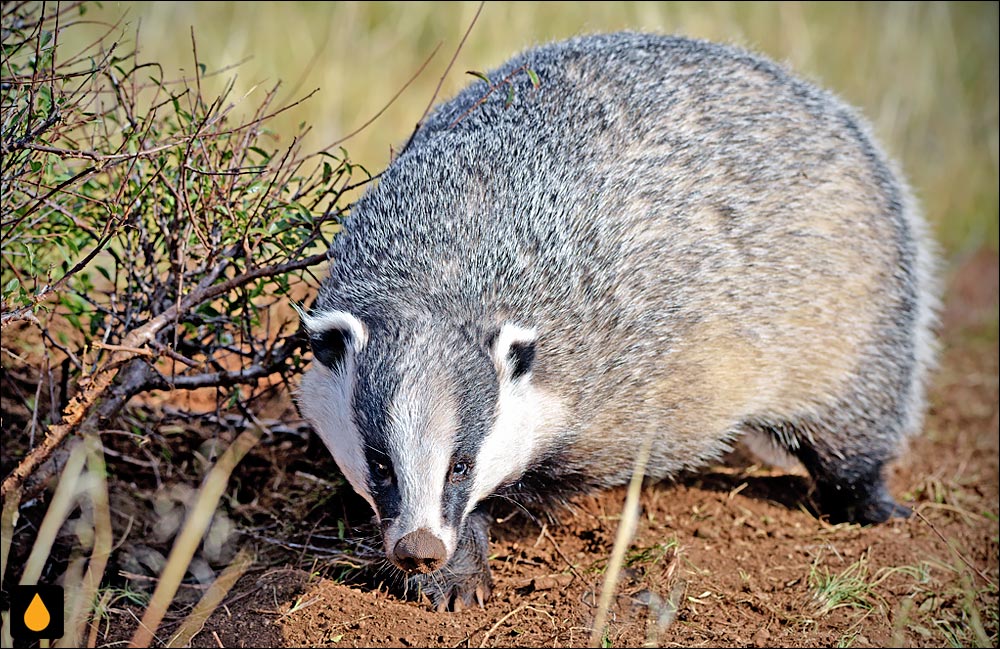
705	244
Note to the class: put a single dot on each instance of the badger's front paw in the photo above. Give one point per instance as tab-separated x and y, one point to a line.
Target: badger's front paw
466	578
452	591
866	502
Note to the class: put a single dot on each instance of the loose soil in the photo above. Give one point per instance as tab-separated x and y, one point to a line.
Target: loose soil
731	556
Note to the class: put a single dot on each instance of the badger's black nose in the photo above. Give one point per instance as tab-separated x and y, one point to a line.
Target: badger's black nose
419	551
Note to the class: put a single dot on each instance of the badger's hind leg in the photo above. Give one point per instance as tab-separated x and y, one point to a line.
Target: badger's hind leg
466	578
851	489
846	456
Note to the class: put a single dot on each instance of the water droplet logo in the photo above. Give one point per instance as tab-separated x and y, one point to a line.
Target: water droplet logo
36	612
37	617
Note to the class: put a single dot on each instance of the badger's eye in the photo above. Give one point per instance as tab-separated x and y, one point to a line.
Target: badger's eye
381	472
460	471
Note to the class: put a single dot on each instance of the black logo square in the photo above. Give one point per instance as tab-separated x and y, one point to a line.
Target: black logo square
36	612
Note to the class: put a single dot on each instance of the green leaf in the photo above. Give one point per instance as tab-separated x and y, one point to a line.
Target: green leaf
261	152
510	95
44	99
480	75
533	76
75	321
208	310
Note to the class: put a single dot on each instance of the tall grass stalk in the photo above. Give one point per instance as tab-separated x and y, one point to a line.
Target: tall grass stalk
189	539
62	503
81	602
195	620
623	537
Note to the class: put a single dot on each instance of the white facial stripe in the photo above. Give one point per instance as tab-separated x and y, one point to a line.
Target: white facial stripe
421	442
338	320
325	398
527	418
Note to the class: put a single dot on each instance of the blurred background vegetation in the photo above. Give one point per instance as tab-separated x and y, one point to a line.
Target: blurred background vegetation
925	74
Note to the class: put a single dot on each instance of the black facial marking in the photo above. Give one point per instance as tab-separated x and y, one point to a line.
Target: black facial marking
476	399
382	484
377	379
329	347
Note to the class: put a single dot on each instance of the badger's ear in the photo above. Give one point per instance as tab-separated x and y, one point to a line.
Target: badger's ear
513	350
332	334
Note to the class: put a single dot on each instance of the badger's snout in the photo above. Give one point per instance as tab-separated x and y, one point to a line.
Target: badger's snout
419	551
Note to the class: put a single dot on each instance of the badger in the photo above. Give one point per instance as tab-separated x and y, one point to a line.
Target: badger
618	238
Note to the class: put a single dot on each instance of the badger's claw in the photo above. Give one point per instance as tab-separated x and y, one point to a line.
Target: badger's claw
454	592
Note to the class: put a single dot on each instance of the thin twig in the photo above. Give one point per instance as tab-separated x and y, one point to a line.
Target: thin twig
572	568
122	348
386	107
103	157
979	572
420	122
482	100
486	636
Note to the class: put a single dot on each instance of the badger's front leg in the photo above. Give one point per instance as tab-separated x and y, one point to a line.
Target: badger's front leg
466	577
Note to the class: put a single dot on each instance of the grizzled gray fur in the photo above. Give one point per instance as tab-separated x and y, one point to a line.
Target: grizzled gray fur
666	238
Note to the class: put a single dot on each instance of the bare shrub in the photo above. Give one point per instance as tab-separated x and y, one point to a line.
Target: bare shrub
153	239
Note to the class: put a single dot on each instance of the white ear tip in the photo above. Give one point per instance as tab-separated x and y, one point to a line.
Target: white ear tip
514	333
343	320
517	334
